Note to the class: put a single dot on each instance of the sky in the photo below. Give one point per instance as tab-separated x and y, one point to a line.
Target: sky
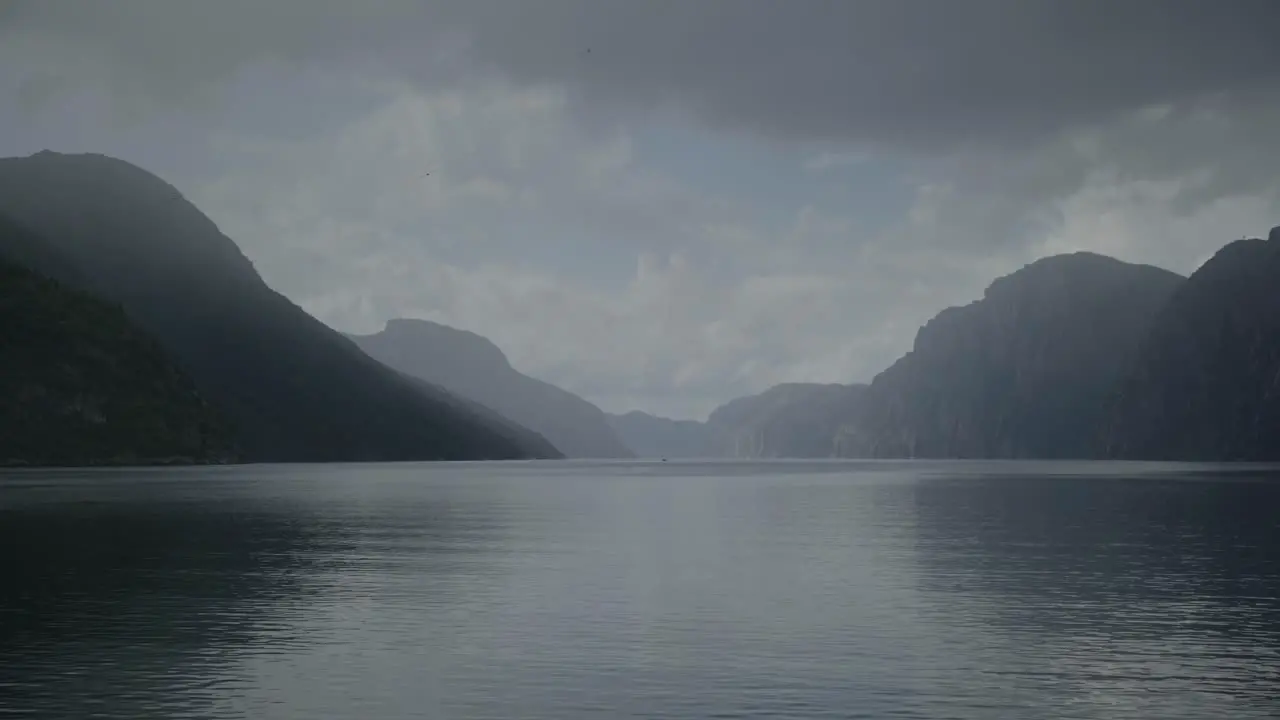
663	205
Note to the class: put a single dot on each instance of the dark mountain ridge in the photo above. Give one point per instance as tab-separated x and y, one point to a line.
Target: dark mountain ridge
295	390
1026	372
1073	356
1205	385
81	385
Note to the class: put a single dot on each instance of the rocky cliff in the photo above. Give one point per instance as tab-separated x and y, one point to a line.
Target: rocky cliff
1205	384
1028	371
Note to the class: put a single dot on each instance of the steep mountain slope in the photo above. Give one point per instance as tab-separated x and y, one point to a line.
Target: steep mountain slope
81	385
21	246
1026	372
493	421
472	366
792	420
294	389
654	437
1206	383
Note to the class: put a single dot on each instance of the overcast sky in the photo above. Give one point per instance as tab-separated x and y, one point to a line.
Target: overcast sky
662	205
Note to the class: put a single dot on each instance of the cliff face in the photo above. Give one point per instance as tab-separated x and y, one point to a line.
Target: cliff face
473	367
1026	372
792	420
1205	384
294	389
81	385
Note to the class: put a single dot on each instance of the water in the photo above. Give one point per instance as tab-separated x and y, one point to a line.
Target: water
596	590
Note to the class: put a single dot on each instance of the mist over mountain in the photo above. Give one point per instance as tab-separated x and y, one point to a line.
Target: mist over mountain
473	367
652	437
293	389
1205	384
1028	371
81	385
791	420
1073	356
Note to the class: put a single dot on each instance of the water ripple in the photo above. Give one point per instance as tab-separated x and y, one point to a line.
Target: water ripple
613	590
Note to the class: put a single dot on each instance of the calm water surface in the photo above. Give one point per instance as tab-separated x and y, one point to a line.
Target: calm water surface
597	590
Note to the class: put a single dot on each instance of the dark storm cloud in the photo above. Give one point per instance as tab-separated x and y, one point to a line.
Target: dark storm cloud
924	73
901	70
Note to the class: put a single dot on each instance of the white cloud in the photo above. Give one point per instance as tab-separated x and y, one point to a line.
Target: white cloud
517	193
597	272
1137	221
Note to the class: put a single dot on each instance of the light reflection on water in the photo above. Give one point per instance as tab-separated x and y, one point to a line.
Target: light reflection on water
615	590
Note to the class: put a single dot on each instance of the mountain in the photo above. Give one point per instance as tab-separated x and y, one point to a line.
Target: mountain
23	248
295	390
472	366
791	420
1026	372
654	437
82	385
1206	382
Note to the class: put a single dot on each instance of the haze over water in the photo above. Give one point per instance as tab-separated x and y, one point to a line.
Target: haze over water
632	590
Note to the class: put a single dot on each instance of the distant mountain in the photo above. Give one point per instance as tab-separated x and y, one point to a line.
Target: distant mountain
792	420
653	437
472	366
81	385
1026	372
1206	382
294	389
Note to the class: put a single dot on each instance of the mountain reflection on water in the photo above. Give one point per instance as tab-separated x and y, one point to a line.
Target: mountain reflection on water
673	590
